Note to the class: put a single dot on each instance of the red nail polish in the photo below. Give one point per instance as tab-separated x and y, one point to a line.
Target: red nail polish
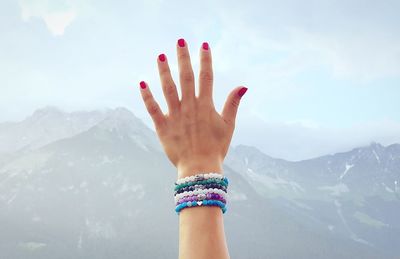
205	45
242	91
142	85
161	57
181	43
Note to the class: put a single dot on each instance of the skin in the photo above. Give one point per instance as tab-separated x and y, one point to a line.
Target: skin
196	138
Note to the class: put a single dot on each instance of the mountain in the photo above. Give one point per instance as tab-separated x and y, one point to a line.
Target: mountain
51	123
354	194
370	170
45	126
101	187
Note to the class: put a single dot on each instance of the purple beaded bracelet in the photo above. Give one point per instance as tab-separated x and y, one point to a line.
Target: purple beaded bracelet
209	196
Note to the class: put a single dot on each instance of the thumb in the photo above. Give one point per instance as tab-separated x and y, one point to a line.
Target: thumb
232	104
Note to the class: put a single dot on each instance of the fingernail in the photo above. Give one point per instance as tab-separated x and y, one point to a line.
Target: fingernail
142	85
161	57
181	43
205	45
242	91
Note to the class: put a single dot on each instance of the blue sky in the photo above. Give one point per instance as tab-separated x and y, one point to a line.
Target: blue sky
323	76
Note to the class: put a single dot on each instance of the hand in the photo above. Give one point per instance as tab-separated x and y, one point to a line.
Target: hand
194	135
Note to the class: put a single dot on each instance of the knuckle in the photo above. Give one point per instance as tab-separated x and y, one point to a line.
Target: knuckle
206	76
229	121
169	90
187	76
164	72
153	109
235	103
187	112
206	58
204	102
206	105
183	54
147	98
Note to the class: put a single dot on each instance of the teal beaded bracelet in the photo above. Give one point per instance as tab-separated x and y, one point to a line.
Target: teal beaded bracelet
223	182
201	203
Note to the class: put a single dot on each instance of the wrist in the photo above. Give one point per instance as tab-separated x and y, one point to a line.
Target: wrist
199	166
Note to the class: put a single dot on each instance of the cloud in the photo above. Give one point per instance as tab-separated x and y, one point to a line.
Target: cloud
56	15
359	46
362	57
289	54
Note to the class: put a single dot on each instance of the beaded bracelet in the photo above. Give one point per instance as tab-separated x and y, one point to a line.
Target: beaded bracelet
202	196
197	192
196	198
201	203
201	190
199	177
223	182
207	186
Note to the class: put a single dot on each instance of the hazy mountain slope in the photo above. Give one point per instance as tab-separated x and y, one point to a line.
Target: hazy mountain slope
351	194
106	192
50	124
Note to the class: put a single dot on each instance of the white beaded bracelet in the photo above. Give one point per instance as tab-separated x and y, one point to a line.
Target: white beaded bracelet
199	177
200	191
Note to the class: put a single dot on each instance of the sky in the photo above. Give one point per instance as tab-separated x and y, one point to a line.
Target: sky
323	76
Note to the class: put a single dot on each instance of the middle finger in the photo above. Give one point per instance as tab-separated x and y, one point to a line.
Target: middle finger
186	76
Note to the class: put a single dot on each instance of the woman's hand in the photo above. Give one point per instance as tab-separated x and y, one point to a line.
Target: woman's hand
193	134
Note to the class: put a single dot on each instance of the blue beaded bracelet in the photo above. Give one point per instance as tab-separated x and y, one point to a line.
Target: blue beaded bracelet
190	204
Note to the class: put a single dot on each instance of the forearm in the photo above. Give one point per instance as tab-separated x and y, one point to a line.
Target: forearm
201	229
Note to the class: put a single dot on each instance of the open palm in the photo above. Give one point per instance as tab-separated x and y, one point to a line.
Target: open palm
192	133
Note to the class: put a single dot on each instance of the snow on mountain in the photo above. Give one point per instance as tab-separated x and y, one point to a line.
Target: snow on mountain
45	126
50	124
363	169
350	193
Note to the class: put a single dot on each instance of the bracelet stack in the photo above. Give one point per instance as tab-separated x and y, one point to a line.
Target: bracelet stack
208	189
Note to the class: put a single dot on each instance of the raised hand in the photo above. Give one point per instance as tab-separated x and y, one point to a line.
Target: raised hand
194	135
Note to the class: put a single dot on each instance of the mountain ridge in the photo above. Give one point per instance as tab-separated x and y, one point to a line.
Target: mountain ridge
105	117
108	177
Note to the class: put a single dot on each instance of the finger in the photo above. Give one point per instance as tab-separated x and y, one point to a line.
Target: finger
232	104
167	83
186	76
206	72
152	106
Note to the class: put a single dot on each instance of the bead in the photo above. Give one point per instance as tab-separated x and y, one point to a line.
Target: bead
203	189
